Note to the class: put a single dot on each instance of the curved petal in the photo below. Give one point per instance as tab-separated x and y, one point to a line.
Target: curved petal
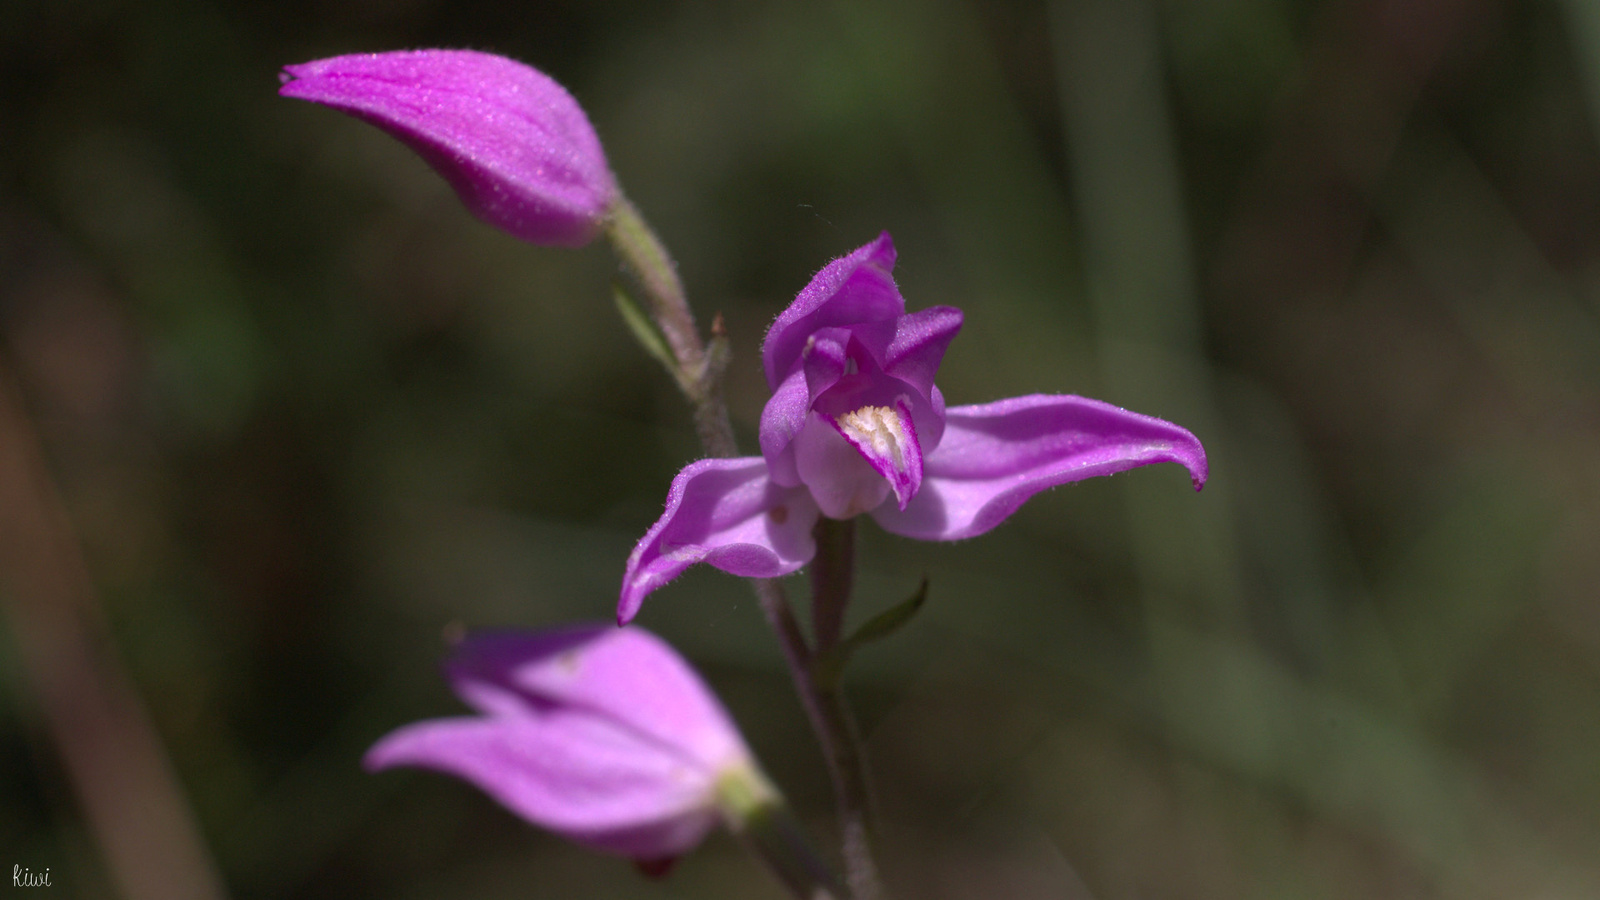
997	455
512	142
571	772
912	358
918	345
826	358
781	421
627	675
851	289
726	512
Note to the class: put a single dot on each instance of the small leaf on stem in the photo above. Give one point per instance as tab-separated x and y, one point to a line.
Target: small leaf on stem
644	330
828	667
890	620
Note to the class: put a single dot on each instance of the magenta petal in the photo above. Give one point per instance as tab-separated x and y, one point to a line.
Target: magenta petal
781	421
997	455
920	340
602	735
572	772
626	674
726	512
785	415
851	289
510	140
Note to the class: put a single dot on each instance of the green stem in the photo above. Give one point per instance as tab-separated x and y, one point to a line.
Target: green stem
699	367
832	575
757	815
647	259
852	794
836	732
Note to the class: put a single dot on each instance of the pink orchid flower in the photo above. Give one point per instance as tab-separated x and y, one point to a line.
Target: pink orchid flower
856	425
603	735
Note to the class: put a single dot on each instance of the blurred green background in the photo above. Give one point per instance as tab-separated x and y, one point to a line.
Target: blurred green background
304	414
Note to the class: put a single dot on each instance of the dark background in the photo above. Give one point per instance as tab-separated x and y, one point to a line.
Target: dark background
304	413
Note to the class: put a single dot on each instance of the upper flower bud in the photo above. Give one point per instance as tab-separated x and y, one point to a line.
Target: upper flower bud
514	144
603	735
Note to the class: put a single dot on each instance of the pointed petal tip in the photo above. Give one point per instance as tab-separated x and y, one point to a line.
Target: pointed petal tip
628	608
882	253
725	512
636	586
383	755
1191	454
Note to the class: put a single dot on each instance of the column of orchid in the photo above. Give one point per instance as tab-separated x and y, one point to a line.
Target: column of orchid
605	735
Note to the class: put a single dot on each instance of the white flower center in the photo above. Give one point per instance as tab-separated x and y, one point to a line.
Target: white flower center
880	429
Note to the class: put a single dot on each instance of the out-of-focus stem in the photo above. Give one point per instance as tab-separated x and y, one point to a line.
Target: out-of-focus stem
109	750
852	794
756	813
1141	284
836	732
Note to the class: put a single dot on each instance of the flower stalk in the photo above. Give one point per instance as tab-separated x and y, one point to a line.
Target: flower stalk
524	158
855	426
763	823
832	575
837	734
698	367
698	371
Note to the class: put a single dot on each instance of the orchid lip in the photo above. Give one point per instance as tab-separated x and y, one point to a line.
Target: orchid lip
887	439
876	429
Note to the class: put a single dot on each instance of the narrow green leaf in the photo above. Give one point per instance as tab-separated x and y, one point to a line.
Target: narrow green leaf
890	620
828	667
644	330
